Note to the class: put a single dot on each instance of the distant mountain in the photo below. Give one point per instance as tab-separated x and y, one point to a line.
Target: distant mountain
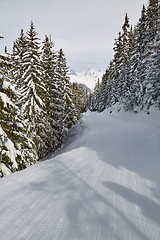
72	72
87	78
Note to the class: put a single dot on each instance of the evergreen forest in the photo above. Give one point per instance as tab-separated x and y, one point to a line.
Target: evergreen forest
132	79
38	104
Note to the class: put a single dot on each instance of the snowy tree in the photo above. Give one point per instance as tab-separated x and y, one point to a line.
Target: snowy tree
48	64
33	91
7	112
131	85
153	16
19	49
125	39
118	60
80	98
17	151
151	55
69	113
95	97
141	38
53	95
122	81
138	68
103	88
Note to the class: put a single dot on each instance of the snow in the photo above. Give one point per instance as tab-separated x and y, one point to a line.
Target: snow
10	152
103	185
7	85
6	100
89	78
4	169
4	55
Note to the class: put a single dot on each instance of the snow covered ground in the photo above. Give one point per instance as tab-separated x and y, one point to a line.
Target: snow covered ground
103	185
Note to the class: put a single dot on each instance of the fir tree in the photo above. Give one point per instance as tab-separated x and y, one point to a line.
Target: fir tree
150	59
95	97
103	88
69	111
142	38
80	98
17	151
7	112
53	95
118	60
19	49
33	91
152	17
122	81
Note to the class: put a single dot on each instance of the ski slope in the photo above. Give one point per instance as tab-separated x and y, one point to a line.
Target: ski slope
103	185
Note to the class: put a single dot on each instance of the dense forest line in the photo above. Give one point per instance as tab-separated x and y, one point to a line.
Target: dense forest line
132	78
38	104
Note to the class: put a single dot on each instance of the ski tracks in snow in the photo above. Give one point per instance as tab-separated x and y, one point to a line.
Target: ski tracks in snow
104	186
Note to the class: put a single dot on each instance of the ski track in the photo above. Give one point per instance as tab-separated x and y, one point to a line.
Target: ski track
104	186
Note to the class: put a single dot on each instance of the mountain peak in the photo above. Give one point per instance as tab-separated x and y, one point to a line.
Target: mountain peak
72	72
89	77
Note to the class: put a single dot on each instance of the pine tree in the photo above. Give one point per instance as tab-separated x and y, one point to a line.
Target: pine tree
103	88
125	38
19	49
70	114
122	82
142	37
130	99
138	61
94	98
7	112
153	16
49	63
80	98
118	57
112	96
121	49
17	151
157	48
151	56
33	91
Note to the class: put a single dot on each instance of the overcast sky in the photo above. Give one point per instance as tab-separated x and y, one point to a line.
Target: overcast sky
85	29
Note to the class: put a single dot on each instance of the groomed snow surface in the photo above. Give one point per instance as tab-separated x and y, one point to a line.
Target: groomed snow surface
103	185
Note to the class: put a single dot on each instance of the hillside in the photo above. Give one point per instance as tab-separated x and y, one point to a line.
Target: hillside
104	184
